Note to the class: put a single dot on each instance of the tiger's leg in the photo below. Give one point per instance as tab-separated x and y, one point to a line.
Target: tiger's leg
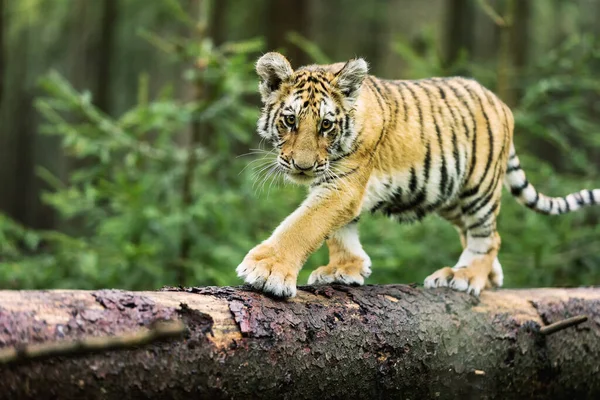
348	262
453	214
273	265
478	266
442	277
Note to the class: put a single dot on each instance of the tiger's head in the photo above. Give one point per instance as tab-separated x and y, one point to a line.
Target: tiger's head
308	114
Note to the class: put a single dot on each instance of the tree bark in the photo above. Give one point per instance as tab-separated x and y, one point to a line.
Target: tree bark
392	341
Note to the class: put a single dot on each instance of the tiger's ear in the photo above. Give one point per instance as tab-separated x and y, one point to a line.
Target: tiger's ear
273	69
350	78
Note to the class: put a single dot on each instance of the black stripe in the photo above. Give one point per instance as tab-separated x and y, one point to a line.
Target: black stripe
442	94
467	108
444	175
473	207
427	164
381	97
474	142
452	214
346	125
591	194
456	154
377	206
513	168
487	195
517	190
394	199
551	204
491	102
431	111
449	208
449	188
533	204
506	127
397	195
455	123
394	114
444	171
418	105
483	252
412	186
267	117
333	178
490	136
562	208
482	235
404	207
381	101
469	192
337	145
486	226
353	149
404	105
275	114
484	218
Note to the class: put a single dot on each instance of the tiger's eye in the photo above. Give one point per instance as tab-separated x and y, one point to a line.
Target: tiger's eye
290	120
326	124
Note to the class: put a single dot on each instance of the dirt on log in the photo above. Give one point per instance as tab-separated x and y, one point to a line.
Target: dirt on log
392	341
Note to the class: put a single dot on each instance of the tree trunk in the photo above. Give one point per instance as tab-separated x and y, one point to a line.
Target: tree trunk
392	341
106	51
2	60
285	16
459	30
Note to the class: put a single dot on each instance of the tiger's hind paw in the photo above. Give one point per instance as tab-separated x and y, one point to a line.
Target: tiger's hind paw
439	278
346	274
468	280
472	279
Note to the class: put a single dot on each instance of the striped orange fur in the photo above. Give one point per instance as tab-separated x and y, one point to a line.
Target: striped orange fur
399	147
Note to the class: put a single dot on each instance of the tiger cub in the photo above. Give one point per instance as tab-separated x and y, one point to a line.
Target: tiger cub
402	148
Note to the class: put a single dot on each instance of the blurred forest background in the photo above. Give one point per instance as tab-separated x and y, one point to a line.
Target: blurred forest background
123	124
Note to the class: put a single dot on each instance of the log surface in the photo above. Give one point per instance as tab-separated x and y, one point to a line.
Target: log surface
392	341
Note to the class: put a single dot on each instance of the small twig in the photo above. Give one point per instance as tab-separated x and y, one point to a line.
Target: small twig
160	330
489	10
564	324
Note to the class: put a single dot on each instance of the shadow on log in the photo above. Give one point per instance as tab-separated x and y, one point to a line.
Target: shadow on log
392	341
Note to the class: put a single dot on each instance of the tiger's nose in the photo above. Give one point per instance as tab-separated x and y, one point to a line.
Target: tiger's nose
303	165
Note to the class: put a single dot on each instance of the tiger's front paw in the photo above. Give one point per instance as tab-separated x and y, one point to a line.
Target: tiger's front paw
265	270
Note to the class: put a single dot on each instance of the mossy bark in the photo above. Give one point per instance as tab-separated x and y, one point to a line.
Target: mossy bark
392	341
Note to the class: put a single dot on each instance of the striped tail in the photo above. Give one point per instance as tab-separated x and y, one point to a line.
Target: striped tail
526	194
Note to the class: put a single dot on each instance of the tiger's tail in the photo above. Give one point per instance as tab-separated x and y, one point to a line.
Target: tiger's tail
516	181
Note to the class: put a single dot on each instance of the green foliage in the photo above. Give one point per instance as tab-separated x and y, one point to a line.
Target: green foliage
124	203
558	114
310	48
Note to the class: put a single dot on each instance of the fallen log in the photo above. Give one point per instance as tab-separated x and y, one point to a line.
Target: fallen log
392	341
